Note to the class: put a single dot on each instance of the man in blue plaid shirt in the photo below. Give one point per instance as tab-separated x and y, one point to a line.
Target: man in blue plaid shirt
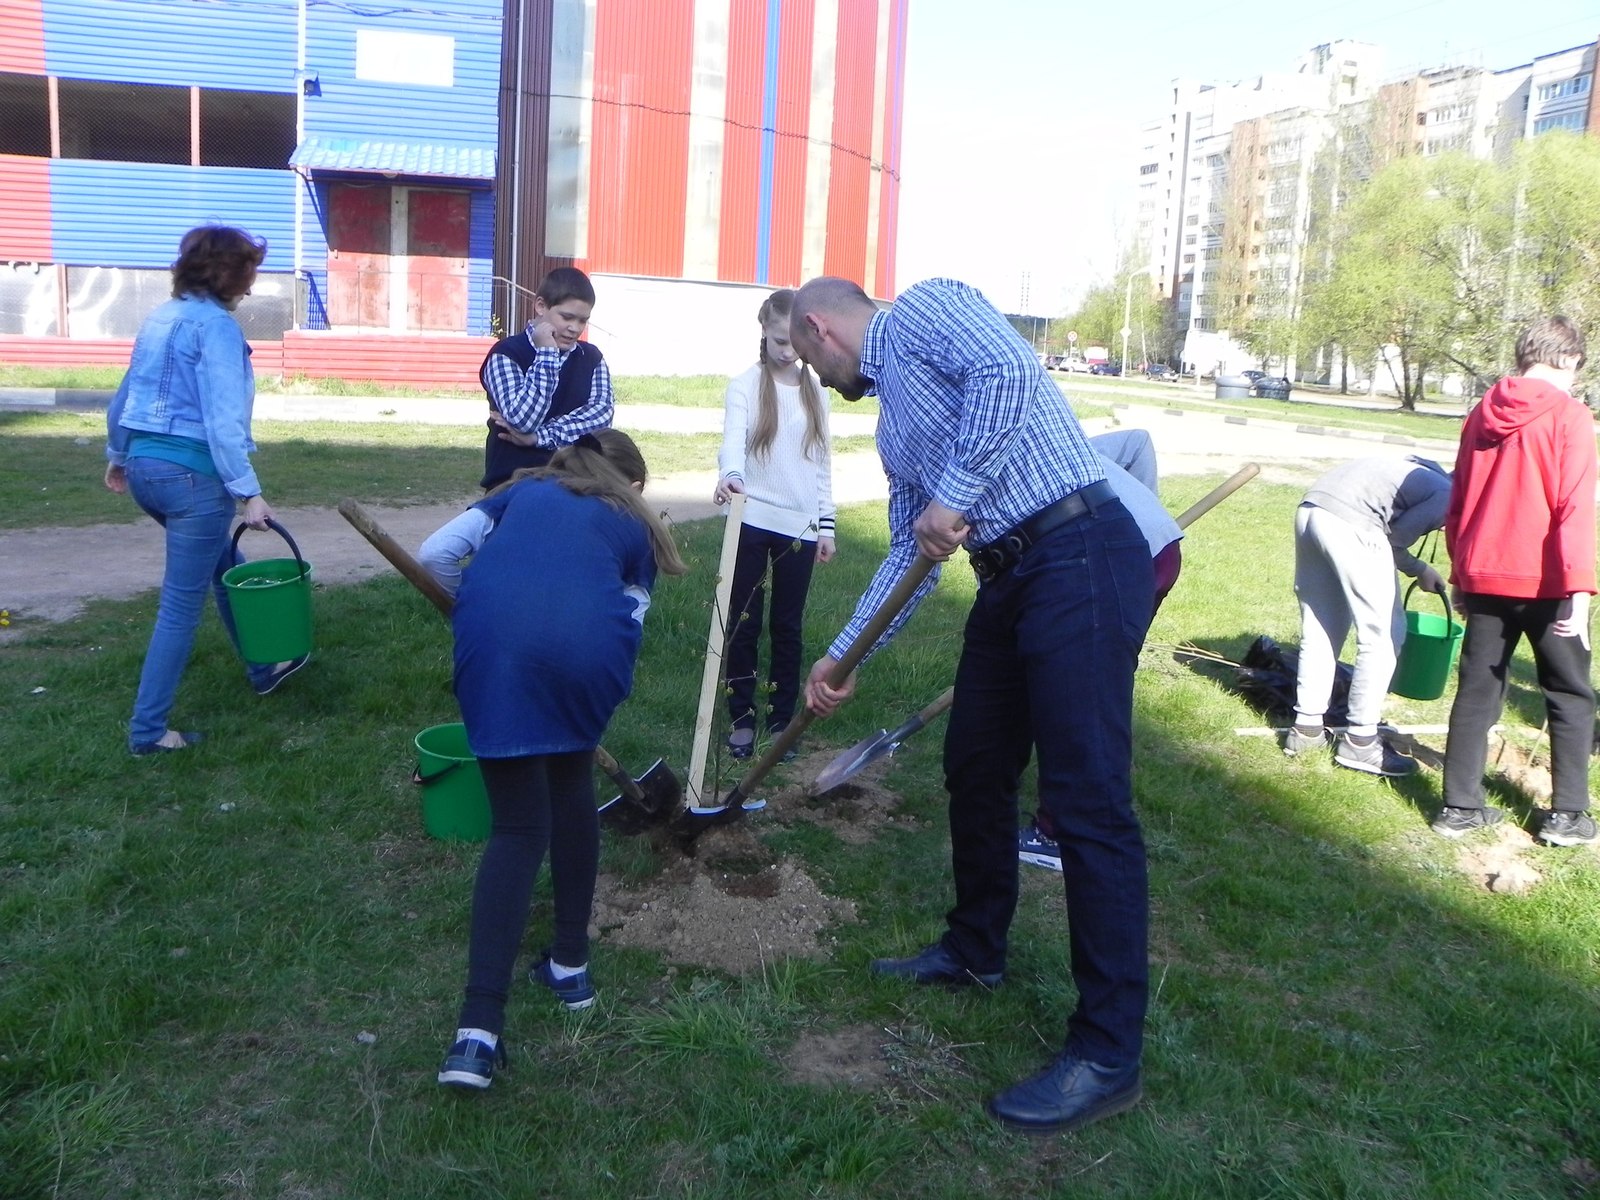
984	454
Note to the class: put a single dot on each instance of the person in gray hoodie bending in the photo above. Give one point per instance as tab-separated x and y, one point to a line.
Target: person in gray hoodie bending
1351	532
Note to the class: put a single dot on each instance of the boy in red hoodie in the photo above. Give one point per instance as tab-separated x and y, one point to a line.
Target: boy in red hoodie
1521	533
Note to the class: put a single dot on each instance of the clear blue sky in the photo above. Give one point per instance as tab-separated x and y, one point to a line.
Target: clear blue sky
1022	116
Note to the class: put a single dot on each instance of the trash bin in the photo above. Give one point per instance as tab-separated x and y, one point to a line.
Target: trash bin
1233	387
1272	389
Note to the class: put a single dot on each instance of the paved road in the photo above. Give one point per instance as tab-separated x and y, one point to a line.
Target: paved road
51	573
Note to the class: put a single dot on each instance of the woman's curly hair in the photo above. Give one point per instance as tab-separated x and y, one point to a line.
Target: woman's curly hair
217	260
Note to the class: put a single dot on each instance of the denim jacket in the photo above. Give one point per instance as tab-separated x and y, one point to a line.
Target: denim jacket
190	376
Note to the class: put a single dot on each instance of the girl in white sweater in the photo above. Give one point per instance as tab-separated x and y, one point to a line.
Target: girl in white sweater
775	450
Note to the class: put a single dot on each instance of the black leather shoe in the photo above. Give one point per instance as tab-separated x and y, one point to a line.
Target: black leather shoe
1068	1094
934	965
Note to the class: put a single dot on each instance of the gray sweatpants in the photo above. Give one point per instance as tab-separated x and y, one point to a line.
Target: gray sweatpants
1344	577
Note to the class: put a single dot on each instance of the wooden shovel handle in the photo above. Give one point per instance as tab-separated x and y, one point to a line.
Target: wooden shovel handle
857	650
1217	495
399	558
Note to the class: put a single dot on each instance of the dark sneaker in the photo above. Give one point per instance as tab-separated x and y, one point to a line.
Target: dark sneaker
1296	743
575	991
1456	822
1375	758
741	743
1562	828
267	684
1037	850
471	1064
935	965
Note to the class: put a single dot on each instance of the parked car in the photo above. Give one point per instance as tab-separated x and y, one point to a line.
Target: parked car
1269	388
1055	362
1106	368
1161	371
1253	376
1078	365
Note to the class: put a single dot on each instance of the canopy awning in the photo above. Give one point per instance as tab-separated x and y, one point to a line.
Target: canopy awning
394	158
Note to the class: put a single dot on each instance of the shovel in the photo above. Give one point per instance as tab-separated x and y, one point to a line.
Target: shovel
653	797
694	820
886	742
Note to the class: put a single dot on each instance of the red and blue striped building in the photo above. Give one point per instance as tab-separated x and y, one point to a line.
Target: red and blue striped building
680	147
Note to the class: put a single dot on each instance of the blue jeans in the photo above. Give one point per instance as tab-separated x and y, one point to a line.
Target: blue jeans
1047	665
197	513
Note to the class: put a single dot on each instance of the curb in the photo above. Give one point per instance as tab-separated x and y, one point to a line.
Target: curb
1355	435
21	399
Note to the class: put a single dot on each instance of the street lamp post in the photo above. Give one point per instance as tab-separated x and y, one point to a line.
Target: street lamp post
1127	313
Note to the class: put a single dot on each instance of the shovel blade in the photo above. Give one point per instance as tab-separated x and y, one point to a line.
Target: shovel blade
661	792
860	756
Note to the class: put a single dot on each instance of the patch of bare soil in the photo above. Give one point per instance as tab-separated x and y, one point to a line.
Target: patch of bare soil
852	1056
1501	865
734	906
853	812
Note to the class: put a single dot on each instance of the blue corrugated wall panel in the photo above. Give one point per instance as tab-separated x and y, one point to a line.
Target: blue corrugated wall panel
314	256
156	204
463	114
480	261
246	45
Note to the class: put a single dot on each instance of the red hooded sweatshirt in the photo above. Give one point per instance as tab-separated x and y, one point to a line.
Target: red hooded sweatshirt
1521	521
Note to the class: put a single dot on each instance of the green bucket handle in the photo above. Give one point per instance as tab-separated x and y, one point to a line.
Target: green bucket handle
438	775
1450	622
281	532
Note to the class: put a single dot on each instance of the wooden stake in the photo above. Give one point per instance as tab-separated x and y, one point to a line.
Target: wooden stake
716	647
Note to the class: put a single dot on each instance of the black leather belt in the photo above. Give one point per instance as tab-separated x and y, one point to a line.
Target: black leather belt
1003	553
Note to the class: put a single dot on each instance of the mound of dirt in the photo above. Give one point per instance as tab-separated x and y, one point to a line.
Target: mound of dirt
1502	865
734	906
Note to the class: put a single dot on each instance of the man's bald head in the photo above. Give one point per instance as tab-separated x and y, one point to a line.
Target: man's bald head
828	326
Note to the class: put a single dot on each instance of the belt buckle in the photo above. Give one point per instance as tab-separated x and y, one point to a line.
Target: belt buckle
987	562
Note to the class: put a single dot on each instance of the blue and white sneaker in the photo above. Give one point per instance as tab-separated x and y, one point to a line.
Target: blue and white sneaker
471	1064
1037	850
575	991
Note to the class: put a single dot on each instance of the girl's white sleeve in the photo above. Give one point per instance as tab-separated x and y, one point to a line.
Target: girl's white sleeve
737	403
451	544
825	505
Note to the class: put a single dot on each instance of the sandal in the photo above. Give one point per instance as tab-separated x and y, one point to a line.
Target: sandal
189	737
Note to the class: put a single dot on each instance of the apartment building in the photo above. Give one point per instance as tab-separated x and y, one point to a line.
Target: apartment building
1235	176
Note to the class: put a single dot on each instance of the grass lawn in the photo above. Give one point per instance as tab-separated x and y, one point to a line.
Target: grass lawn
232	971
57	461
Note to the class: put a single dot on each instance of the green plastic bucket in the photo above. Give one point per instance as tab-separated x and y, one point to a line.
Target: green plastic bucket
455	807
1429	653
271	603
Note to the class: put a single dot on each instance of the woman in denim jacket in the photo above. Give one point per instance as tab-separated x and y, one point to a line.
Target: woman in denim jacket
178	438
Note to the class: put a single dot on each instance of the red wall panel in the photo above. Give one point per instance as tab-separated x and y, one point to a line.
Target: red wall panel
855	83
888	214
789	167
415	360
741	141
639	147
25	209
22	37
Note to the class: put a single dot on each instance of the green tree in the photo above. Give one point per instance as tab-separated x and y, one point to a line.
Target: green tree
1422	262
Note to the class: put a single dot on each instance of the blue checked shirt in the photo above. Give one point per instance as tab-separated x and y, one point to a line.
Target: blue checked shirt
523	397
967	417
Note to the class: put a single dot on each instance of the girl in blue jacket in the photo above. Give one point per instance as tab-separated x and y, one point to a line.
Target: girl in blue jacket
547	624
178	439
